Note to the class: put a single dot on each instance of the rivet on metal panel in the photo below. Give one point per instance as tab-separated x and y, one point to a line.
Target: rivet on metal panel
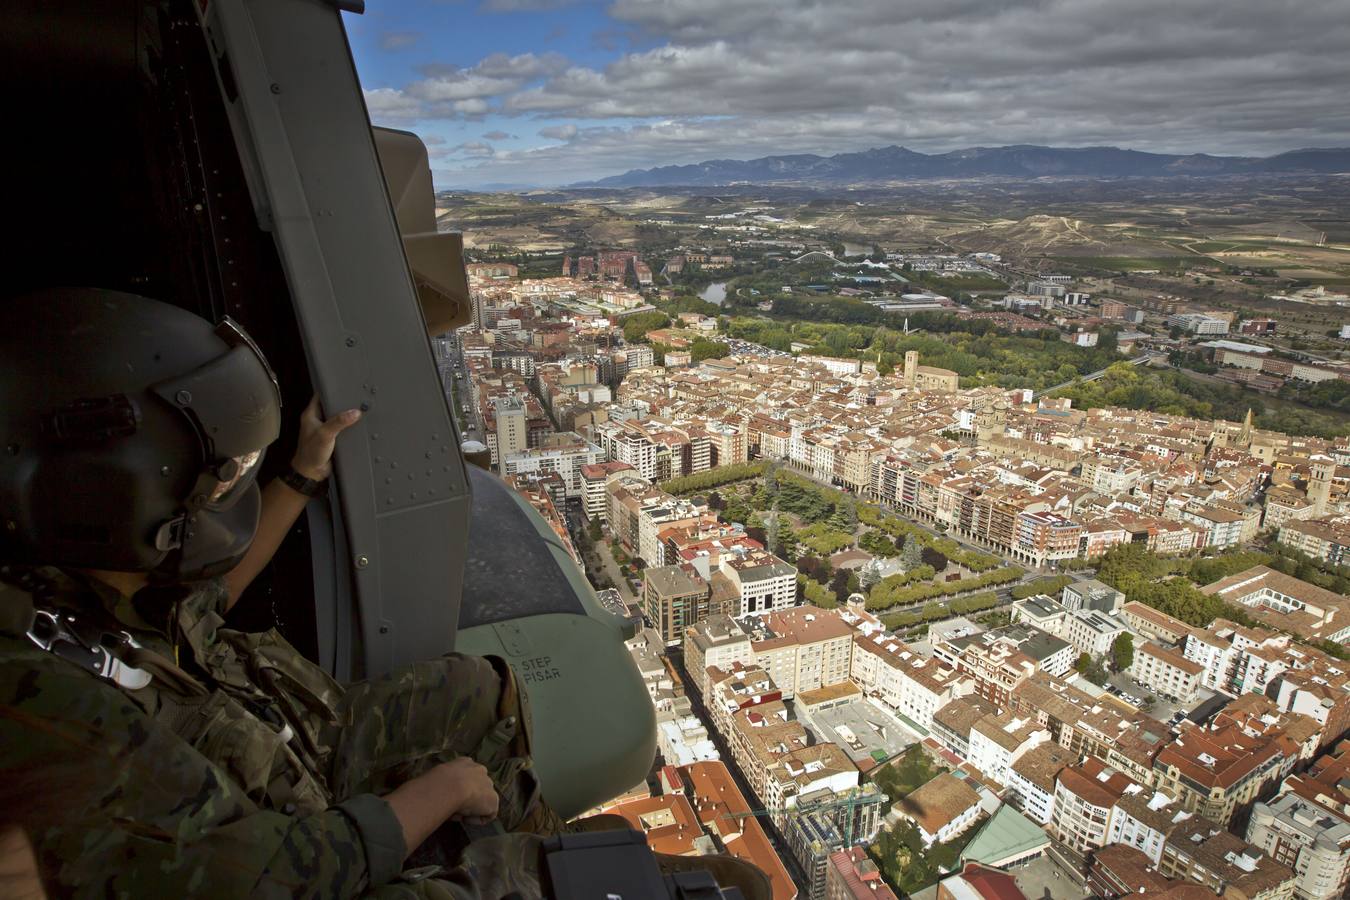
515	641
362	562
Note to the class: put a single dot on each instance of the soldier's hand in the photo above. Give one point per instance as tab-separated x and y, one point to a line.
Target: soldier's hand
474	796
314	448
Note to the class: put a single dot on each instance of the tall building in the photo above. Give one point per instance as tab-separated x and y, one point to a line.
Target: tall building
675	597
512	432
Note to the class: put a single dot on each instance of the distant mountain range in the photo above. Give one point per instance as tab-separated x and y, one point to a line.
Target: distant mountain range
886	164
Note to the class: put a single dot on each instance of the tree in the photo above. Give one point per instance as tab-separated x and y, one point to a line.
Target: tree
1091	669
912	556
869	575
842	584
715	501
1122	651
934	558
596	531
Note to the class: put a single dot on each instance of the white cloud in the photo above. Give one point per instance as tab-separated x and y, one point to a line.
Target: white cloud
559	132
757	77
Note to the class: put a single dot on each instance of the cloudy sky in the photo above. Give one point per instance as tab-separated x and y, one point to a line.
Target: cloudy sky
549	92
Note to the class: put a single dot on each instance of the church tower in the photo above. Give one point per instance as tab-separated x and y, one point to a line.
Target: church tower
1319	488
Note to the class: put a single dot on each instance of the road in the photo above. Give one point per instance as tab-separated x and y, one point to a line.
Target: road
472	427
611	568
780	846
1093	376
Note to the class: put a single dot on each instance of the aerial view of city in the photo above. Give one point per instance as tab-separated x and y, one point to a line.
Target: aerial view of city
980	513
936	415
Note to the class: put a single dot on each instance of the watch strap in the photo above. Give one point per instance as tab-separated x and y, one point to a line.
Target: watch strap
302	485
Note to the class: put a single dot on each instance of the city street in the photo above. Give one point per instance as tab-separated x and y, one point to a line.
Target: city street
780	846
611	568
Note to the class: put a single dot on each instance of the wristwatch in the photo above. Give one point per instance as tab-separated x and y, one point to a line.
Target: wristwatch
302	485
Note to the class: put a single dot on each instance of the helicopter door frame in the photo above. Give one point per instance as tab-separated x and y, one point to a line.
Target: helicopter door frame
389	592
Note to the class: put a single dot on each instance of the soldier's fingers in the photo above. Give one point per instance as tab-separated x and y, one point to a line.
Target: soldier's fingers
311	413
340	423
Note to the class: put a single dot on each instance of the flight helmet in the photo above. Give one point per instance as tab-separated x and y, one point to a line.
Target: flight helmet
131	432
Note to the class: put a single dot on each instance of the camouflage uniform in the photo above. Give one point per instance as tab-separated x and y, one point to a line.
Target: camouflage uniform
242	768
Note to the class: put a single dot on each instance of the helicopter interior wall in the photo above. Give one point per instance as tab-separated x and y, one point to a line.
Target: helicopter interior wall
124	175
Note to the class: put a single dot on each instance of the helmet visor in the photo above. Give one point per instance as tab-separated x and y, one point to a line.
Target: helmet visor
236	474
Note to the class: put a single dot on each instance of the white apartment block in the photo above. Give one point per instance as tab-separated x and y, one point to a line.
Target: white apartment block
996	742
563	454
1034	799
1307	838
1167	673
1142	823
1198	324
764	583
913	685
1092	632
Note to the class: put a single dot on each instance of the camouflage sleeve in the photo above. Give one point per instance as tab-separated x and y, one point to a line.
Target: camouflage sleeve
126	808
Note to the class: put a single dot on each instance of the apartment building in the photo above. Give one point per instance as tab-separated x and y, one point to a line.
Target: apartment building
736	688
1218	774
953	722
1222	528
996	742
1202	852
803	648
565	454
717	642
676	597
1166	673
639	513
1307	838
913	685
1085	798
853	875
1092	632
763	582
1032	777
1327	540
595	478
996	665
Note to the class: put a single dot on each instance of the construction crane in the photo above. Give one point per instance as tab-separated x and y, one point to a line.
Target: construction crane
850	803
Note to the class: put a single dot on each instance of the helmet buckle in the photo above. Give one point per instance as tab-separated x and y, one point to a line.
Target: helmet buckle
169	536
